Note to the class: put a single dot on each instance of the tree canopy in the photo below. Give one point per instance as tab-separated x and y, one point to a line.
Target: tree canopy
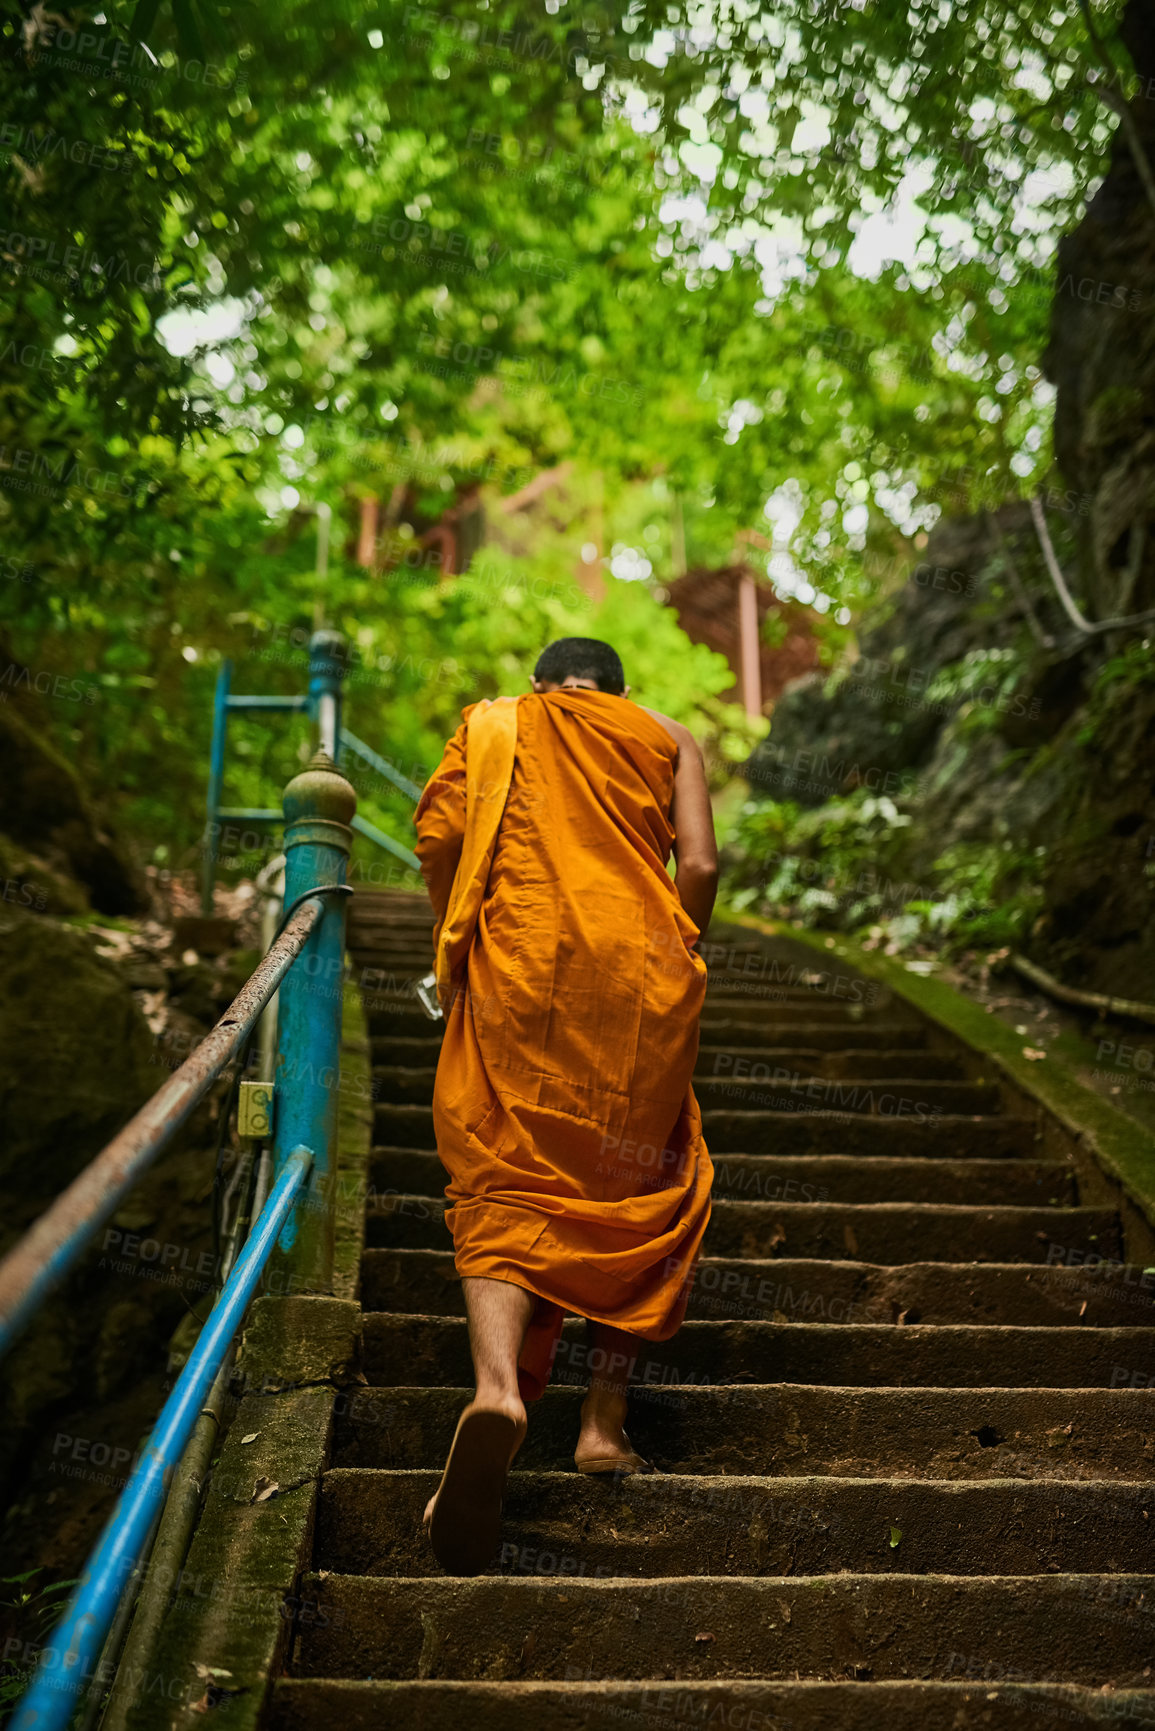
791	268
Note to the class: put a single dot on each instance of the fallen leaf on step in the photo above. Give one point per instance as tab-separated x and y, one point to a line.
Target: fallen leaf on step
204	1672
252	1437
895	1536
215	1695
1034	1053
263	1490
705	1637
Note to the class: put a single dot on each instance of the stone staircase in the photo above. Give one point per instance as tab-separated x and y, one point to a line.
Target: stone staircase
896	1482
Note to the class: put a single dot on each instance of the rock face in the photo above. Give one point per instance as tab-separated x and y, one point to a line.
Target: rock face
45	813
975	705
1101	359
882	726
75	1057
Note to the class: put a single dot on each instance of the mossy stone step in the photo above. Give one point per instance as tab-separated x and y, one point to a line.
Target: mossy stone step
784	1429
816	1178
526	1628
401	1350
369	1523
425	1283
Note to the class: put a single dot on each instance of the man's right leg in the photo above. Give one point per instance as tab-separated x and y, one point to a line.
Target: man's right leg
464	1515
603	1445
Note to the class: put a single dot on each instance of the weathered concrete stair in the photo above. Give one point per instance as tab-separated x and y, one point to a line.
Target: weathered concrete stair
904	1446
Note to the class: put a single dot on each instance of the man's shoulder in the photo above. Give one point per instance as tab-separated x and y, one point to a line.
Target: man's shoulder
676	729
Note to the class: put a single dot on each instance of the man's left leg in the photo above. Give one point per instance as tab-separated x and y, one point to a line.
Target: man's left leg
603	1446
464	1516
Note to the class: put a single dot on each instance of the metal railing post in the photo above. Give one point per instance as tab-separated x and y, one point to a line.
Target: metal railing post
216	784
328	659
319	806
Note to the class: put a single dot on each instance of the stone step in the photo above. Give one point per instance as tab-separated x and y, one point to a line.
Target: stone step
413	935
371	939
890	1232
734	1034
389	1015
399	1350
947	1136
863	1627
394	1084
786	1090
415	1052
819	1178
782	1090
842	1178
726	1060
413	950
414	953
316	1704
394	974
425	1283
392	908
792	1428
770	1011
653	1525
851	1051
784	987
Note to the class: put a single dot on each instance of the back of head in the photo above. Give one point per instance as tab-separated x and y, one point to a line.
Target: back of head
582	658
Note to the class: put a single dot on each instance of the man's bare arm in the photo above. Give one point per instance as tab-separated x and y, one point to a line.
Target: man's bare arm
695	849
440	821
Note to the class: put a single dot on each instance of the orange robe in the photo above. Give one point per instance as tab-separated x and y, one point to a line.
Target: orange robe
563	1105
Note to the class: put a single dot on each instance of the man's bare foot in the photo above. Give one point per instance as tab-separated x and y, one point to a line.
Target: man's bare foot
603	1446
463	1517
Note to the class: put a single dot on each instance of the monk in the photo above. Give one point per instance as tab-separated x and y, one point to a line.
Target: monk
568	972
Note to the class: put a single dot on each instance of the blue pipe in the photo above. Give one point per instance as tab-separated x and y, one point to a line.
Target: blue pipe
68	1664
290	705
380	764
328	660
216	783
319	805
372	833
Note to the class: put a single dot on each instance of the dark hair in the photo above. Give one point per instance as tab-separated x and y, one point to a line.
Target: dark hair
582	658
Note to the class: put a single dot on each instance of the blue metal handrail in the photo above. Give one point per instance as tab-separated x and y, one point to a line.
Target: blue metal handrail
305	963
380	764
67	1666
327	665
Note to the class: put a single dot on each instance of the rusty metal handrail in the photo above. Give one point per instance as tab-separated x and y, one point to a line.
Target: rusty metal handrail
49	1248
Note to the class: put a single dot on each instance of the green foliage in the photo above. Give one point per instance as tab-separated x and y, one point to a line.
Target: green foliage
315	252
1117	681
36	1609
980	687
842	866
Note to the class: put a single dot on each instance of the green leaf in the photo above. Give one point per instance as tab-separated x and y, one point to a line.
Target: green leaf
143	19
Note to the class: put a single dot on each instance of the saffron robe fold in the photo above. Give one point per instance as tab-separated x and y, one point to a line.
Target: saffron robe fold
563	1105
